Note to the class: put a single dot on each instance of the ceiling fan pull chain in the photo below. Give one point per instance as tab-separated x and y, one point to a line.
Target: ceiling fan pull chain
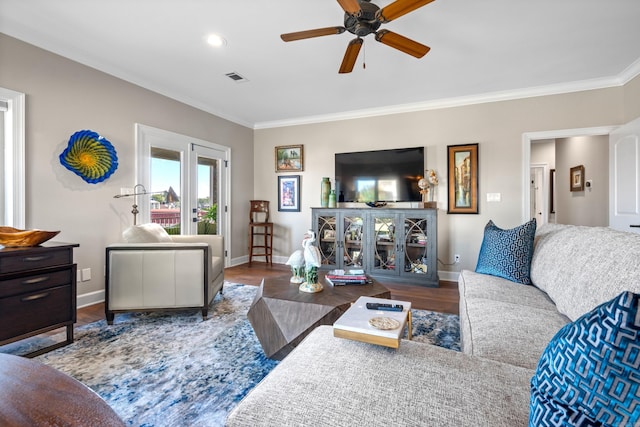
364	56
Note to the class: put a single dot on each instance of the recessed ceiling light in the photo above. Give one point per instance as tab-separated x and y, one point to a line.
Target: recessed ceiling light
216	40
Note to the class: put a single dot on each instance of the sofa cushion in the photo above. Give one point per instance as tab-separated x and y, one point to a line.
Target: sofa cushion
146	233
476	285
582	267
590	372
507	253
328	381
507	332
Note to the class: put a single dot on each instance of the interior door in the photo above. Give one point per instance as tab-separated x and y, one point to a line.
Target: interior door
624	177
208	192
537	194
189	179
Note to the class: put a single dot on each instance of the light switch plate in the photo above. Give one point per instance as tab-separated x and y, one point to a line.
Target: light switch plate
494	197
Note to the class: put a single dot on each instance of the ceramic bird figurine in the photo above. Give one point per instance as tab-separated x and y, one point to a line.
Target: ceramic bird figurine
296	261
312	260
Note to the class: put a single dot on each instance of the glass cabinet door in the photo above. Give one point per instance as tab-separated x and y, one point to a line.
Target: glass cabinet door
353	236
327	232
415	245
385	250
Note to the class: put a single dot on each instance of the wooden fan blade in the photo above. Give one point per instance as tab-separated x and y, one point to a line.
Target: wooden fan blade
402	43
350	56
318	32
352	7
399	8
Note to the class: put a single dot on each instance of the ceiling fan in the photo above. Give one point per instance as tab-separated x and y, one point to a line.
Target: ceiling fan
362	18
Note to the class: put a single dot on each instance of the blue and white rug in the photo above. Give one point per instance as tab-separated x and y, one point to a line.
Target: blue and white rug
174	369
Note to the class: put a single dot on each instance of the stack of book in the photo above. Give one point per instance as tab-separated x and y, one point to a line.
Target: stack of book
347	277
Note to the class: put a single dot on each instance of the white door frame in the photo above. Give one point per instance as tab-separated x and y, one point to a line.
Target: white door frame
526	156
147	136
14	214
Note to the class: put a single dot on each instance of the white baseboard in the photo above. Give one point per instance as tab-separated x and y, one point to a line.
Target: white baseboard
90	298
449	276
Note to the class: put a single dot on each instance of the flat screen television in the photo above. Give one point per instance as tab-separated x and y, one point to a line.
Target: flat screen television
380	176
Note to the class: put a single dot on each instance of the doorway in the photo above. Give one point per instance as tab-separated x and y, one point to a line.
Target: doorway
188	182
527	140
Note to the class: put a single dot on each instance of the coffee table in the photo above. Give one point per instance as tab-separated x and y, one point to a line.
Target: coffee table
386	328
282	316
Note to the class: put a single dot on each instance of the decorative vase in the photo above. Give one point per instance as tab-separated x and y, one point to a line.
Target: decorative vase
332	199
325	189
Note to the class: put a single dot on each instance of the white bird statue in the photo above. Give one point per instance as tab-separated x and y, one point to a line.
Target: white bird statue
296	261
312	260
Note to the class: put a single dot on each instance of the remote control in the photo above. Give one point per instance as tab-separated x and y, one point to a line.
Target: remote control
384	307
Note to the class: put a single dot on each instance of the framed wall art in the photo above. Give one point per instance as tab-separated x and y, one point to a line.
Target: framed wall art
290	158
289	193
576	176
462	161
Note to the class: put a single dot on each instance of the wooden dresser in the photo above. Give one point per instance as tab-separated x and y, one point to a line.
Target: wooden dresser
37	292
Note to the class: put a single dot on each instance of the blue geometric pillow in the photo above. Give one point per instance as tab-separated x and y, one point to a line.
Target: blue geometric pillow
507	253
589	374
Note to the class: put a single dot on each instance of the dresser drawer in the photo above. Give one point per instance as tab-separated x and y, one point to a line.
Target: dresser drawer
35	258
42	280
25	313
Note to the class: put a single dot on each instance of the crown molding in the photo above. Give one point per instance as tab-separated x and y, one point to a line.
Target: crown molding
584	85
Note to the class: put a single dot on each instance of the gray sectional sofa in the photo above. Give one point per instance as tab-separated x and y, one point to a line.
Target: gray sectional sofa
505	328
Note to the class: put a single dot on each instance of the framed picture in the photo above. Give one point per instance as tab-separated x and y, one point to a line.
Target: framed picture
289	193
289	158
576	177
462	163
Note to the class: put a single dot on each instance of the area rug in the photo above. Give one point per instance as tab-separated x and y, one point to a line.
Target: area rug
174	369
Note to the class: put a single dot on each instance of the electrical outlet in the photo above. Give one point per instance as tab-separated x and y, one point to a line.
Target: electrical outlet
456	258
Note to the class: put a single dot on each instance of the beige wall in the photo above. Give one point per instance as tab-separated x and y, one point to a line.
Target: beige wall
498	128
544	152
63	97
591	206
632	100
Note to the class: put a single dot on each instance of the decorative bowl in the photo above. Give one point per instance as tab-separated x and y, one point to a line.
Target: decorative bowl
13	237
376	204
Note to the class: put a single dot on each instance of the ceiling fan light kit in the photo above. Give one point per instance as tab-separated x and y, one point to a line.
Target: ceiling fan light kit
363	18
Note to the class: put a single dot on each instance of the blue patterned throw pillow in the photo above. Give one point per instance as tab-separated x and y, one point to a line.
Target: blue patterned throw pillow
589	374
507	253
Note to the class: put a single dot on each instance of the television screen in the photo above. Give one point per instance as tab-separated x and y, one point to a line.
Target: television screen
380	176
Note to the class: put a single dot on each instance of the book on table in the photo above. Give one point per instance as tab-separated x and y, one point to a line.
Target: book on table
347	277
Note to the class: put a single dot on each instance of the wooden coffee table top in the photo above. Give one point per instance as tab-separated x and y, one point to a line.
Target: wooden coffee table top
282	315
280	288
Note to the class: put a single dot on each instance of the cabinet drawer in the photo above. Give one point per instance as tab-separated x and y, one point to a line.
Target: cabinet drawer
41	280
25	313
35	259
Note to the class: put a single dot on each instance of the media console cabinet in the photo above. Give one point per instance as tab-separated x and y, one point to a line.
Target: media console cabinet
385	242
37	292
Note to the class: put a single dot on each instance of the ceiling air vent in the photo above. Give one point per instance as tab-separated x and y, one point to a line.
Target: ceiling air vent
236	77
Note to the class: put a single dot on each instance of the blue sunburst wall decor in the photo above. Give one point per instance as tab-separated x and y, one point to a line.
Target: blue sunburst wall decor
90	156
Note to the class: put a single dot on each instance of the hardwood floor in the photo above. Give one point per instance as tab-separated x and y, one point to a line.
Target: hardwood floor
443	299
